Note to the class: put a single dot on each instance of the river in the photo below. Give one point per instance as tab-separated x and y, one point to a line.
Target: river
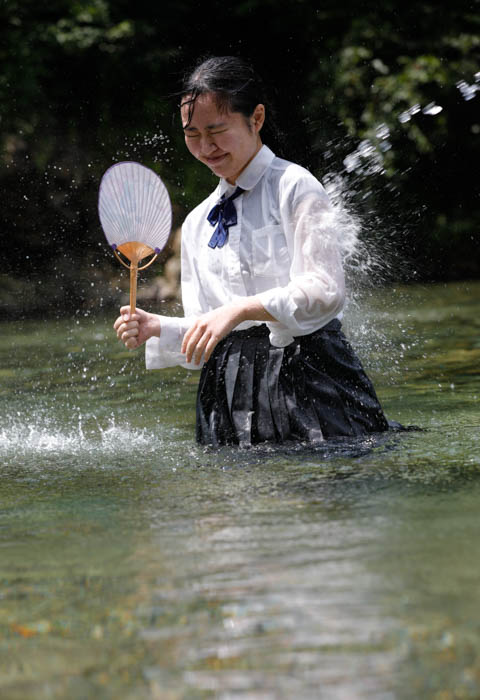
136	564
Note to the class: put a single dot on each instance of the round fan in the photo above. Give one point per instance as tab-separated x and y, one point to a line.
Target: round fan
136	216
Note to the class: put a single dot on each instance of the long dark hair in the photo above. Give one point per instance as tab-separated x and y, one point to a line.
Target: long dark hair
236	87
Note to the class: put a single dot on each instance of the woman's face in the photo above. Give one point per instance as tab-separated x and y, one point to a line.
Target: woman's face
225	141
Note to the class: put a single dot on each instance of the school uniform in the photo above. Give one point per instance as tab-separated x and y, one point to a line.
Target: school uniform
293	379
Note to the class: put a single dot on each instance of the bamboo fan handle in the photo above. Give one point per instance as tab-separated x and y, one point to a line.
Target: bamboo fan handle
133	286
135	252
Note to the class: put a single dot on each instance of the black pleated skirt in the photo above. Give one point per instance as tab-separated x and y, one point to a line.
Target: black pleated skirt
251	392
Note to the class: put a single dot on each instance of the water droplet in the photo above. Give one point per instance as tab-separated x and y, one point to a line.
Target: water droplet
468	91
382	131
432	109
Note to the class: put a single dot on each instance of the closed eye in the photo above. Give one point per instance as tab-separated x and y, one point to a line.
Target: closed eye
193	135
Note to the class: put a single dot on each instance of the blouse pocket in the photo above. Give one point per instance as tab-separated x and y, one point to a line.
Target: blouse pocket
210	259
270	256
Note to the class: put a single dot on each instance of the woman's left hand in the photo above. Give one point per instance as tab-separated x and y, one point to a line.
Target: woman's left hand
208	330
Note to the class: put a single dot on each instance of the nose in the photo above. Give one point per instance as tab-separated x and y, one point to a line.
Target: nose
207	145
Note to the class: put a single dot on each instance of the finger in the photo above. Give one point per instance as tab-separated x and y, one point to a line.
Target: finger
196	347
133	317
126	319
191	342
194	332
130	325
129	333
128	316
211	345
131	343
125	310
124	327
120	329
200	348
187	337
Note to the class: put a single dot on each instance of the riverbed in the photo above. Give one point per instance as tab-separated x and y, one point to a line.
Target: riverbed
136	564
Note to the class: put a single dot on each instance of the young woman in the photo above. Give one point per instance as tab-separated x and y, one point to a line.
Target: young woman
262	284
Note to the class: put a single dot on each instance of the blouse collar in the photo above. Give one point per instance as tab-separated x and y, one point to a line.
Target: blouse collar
253	173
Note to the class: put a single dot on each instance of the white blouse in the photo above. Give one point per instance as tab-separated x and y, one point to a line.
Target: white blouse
284	250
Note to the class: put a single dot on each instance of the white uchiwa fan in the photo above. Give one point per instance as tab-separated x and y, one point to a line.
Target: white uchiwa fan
136	216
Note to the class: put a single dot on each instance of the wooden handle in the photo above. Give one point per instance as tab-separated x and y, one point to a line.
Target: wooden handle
133	286
135	252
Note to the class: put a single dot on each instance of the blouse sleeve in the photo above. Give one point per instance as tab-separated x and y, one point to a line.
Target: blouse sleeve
165	351
316	292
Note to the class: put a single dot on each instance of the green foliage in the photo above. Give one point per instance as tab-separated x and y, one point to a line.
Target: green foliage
84	83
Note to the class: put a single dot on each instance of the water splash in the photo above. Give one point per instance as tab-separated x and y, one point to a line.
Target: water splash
368	157
432	109
358	187
468	91
406	116
43	437
367	258
157	143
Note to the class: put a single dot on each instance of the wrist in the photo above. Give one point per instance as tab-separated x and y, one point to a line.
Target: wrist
240	311
154	327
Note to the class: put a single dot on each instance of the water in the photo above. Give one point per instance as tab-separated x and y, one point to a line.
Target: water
135	564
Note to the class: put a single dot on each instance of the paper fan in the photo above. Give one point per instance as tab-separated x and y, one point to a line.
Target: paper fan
136	215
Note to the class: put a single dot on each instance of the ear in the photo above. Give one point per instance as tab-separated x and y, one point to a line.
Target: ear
258	117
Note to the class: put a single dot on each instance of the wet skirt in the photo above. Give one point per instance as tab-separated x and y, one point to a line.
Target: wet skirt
252	392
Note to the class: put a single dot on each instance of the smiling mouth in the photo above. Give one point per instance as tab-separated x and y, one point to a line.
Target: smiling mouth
215	160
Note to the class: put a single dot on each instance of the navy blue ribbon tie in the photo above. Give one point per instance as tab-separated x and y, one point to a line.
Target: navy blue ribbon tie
223	215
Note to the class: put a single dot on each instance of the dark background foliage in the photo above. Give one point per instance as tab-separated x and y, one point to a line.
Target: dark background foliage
84	83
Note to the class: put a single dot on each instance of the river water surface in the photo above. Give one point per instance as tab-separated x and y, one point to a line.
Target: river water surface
136	564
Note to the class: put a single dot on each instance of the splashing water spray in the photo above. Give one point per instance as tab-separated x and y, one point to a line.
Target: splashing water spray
367	264
368	160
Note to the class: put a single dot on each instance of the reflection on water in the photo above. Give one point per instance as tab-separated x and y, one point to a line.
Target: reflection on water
135	564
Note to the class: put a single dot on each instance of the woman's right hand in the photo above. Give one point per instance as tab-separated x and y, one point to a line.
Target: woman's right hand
135	329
